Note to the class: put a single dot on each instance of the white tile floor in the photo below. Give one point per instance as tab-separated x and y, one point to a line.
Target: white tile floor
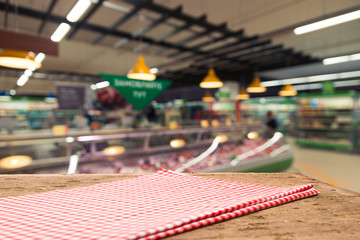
340	169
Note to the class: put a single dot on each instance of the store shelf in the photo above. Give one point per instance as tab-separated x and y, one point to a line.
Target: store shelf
328	120
332	115
319	144
325	129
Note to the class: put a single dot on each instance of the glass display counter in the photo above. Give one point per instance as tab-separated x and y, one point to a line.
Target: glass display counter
211	149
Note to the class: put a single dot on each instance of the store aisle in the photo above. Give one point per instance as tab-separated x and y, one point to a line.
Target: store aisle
336	168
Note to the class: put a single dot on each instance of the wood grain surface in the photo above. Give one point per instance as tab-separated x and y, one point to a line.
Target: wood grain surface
333	214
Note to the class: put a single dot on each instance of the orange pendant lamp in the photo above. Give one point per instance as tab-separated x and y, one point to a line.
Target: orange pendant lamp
141	71
255	86
211	80
114	150
287	91
207	97
15	161
177	143
242	94
18	59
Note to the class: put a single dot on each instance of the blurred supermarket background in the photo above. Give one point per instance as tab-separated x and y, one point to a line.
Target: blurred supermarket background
280	100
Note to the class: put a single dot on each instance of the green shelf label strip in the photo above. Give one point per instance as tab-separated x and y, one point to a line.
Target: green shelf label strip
308	143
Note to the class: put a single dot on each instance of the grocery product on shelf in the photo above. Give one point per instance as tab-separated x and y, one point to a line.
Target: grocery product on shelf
328	121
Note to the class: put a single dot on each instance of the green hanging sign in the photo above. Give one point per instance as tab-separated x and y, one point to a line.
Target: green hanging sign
328	87
137	92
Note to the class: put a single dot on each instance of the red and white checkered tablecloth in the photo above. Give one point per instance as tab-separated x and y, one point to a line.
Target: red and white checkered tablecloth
146	207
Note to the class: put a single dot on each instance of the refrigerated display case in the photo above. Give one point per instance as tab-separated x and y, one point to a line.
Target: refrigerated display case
235	148
328	120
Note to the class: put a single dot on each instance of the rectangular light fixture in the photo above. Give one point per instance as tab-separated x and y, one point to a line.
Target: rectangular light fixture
315	78
349	74
102	84
154	70
22	80
78	10
40	57
291	81
312	86
28	72
60	32
341	59
347	83
327	22
321	78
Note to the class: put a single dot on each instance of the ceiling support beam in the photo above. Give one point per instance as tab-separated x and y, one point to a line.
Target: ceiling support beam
118	23
96	28
172	33
48	12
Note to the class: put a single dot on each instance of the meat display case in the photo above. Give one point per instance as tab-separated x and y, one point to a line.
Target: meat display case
213	149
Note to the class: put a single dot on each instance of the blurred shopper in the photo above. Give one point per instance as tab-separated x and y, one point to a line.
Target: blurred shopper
150	113
271	125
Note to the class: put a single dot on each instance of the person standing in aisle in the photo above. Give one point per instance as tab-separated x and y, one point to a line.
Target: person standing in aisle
271	125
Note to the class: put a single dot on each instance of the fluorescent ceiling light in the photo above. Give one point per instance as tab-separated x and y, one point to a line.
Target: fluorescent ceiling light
22	80
321	78
60	32
69	139
291	81
327	22
341	59
355	57
308	86
102	84
78	10
349	74
32	68
93	87
40	57
316	78
28	73
272	83
347	83
154	70
340	83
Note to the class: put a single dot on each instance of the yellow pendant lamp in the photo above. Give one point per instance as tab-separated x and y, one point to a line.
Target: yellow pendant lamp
15	161
114	150
255	86
177	143
242	95
222	138
287	91
211	80
207	97
141	71
18	59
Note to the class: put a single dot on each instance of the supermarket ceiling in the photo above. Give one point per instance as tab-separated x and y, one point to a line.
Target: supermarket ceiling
181	38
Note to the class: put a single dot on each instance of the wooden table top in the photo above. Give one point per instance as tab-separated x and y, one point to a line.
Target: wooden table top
333	214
